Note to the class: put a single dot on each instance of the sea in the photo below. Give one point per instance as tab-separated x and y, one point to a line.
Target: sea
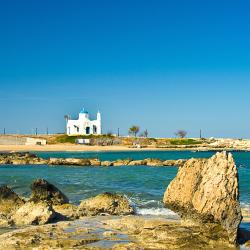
144	186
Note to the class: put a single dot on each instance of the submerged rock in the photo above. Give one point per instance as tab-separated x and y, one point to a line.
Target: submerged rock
106	203
207	191
32	213
9	200
42	190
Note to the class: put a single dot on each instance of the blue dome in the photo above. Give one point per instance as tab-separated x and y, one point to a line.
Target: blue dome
83	111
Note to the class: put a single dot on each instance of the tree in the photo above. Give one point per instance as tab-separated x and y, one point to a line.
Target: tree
181	133
134	130
144	133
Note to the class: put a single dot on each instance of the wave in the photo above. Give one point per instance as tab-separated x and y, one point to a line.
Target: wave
156	211
245	205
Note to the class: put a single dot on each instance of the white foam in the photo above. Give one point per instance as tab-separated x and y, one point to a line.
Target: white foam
156	211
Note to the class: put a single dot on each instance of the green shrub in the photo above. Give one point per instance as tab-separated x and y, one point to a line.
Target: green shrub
184	142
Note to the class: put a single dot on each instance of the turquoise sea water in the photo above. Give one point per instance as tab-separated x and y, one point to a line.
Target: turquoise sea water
144	186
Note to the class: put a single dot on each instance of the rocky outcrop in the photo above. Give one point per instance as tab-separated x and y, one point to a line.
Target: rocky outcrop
207	191
47	203
32	213
9	200
42	190
120	233
106	203
28	158
17	158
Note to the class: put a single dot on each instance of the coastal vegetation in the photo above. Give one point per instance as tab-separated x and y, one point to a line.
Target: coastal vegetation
110	139
183	141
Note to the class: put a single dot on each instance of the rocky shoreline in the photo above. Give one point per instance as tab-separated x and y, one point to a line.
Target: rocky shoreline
205	194
18	158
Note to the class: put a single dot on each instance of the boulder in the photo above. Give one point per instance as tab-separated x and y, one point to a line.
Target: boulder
33	213
119	163
95	162
207	191
5	221
42	190
66	211
106	163
176	163
18	158
74	161
9	200
106	203
137	163
154	162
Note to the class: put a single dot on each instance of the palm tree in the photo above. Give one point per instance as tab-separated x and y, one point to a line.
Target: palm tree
134	130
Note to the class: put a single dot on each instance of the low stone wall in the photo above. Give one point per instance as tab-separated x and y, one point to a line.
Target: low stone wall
17	140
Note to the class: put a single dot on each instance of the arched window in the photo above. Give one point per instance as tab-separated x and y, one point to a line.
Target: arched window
87	130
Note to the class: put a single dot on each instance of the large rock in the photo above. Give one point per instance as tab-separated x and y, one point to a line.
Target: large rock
34	213
9	200
206	190
106	203
19	158
42	190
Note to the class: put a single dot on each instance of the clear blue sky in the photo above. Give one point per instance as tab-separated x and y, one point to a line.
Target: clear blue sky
163	65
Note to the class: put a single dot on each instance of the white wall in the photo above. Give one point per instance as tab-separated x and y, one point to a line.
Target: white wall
82	123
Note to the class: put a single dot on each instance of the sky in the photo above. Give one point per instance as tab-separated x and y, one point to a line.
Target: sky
162	65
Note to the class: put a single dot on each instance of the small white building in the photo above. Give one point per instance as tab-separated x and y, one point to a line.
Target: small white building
84	126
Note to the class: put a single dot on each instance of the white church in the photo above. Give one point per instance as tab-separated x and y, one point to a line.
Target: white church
84	126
